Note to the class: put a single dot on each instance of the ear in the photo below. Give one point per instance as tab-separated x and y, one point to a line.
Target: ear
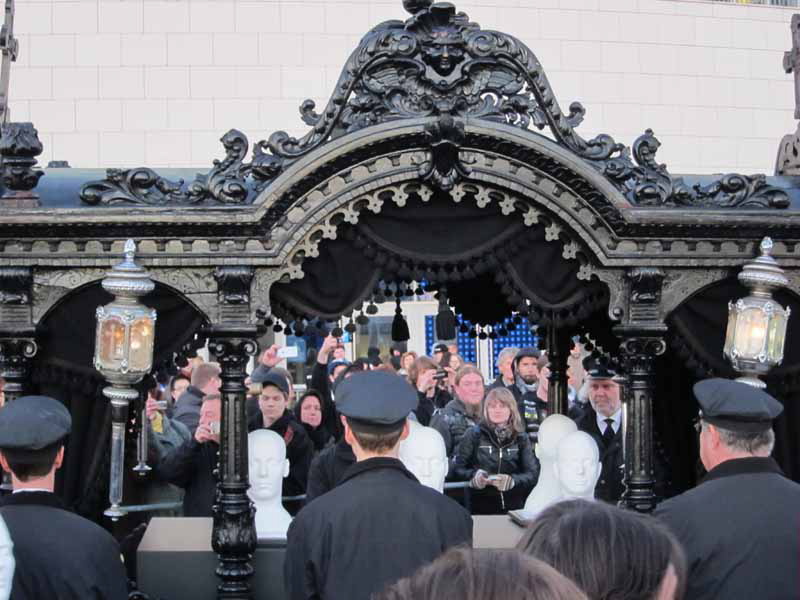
59	458
406	431
713	434
348	434
286	467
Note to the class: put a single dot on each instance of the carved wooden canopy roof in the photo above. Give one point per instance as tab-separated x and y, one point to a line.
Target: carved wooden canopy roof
431	103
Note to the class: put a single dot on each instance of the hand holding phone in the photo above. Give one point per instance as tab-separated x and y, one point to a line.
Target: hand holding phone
288	352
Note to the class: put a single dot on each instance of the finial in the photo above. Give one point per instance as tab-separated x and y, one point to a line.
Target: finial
130	250
766	246
415	6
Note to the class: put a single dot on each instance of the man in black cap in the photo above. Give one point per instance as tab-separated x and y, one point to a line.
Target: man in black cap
525	369
379	524
741	526
274	414
603	421
57	553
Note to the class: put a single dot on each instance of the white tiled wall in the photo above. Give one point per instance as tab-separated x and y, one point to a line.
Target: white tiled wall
157	82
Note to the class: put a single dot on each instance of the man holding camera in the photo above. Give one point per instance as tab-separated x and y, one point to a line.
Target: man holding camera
191	465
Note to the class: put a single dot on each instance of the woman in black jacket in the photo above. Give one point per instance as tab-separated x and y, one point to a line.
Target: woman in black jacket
496	457
309	412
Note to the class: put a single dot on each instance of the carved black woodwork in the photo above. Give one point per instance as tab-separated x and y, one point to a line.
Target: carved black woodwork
641	341
9	47
17	334
19	147
232	341
558	345
436	64
788	160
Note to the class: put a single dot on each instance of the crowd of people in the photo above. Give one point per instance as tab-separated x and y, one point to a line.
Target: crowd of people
364	527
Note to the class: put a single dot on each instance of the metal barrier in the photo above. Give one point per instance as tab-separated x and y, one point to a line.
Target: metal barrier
134	508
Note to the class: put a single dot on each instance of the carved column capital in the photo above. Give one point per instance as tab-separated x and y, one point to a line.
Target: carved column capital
233	293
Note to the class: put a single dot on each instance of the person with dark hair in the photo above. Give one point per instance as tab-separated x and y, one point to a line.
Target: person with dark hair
308	412
366	533
423	376
273	414
464	574
463	411
610	553
741	525
177	385
496	457
58	554
525	368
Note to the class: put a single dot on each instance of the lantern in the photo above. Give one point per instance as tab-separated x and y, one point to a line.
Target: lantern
123	354
757	323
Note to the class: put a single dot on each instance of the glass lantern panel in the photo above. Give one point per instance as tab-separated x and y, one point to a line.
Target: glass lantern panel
112	343
777	336
751	333
142	333
729	333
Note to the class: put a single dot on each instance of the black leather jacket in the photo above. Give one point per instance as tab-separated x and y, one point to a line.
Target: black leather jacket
480	449
452	421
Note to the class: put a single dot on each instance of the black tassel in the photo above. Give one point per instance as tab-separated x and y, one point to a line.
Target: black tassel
445	320
399	326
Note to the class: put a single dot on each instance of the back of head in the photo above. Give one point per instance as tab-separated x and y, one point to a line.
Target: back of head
465	574
552	430
203	373
612	554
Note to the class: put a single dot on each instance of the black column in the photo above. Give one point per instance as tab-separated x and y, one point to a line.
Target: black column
641	341
233	342
557	353
638	354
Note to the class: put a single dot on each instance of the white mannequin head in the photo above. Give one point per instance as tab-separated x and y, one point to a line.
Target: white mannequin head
548	490
267	463
268	466
552	430
577	465
424	454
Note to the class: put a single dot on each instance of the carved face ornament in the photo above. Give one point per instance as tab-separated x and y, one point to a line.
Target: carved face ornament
443	52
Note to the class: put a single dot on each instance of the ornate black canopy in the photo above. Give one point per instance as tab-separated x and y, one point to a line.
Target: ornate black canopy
442	157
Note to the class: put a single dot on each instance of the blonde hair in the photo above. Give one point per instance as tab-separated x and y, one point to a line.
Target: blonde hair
507	398
467	369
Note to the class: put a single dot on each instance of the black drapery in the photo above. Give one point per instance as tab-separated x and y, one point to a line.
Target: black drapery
64	370
697	336
490	262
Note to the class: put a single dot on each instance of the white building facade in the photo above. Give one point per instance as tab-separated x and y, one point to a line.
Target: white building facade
125	83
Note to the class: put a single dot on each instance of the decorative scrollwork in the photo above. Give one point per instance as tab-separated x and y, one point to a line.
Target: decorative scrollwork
648	183
440	63
226	183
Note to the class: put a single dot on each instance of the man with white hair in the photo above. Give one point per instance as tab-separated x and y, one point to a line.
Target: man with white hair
740	526
505	375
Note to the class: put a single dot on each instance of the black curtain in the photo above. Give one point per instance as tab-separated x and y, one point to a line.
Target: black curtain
490	262
696	339
64	370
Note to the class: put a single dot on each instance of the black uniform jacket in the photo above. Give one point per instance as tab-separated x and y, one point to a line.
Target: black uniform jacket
191	466
59	555
740	528
328	469
379	525
609	487
299	450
